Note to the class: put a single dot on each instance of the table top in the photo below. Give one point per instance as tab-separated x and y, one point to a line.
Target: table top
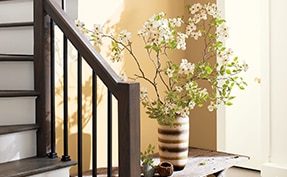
202	162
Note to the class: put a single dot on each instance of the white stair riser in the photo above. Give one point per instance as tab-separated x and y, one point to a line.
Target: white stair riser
19	110
18	40
15	11
16	76
64	172
17	146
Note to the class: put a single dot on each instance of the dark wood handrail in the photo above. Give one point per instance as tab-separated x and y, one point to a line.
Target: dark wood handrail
83	45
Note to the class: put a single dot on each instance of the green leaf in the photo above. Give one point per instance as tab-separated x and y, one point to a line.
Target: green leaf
228	103
231	98
147	47
228	71
208	69
241	87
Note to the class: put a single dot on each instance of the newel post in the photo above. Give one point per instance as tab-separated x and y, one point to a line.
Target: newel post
41	78
129	130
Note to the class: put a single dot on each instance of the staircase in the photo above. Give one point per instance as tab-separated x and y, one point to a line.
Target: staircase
27	98
18	127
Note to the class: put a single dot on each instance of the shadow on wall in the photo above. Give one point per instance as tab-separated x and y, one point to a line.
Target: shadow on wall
73	115
86	108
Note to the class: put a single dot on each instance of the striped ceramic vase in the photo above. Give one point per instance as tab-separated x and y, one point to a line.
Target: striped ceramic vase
173	142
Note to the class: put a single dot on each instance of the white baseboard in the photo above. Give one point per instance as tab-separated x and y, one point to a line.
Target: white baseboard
273	170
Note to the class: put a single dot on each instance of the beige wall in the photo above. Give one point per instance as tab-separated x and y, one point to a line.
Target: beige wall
202	122
130	15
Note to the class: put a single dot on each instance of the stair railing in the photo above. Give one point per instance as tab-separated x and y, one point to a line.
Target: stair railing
127	94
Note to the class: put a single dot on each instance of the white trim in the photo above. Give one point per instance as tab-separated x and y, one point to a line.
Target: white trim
220	114
266	82
273	170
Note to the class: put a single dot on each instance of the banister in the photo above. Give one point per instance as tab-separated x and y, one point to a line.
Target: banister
127	93
86	49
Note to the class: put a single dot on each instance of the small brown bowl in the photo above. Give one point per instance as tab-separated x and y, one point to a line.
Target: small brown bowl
165	169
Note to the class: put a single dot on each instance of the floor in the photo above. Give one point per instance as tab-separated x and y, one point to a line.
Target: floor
232	172
239	172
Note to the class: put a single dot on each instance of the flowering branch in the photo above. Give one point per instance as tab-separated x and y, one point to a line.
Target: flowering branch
182	90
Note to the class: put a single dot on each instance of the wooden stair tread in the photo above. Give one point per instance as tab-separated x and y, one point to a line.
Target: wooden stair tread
15	57
32	166
16	24
18	93
6	129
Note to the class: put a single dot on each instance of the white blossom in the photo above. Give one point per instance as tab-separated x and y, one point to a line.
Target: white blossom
222	31
224	56
97	34
212	106
189	86
124	36
79	23
98	28
169	72
212	10
143	93
181	44
245	66
186	67
191	104
195	8
203	92
195	35
175	22
229	52
203	15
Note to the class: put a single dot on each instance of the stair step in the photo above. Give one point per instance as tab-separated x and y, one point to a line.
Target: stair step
14	57
6	129
16	11
16	75
16	24
22	42
18	93
17	110
32	166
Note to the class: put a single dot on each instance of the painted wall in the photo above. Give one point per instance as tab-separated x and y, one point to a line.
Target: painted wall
130	15
202	122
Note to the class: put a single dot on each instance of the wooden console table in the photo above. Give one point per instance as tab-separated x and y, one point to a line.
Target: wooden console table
200	163
203	162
